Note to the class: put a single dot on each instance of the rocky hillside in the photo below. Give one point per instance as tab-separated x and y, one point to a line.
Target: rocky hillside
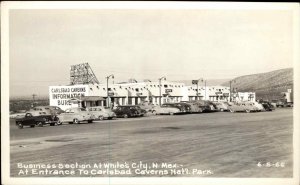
266	85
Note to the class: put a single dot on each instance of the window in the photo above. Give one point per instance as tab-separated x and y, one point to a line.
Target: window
137	89
166	86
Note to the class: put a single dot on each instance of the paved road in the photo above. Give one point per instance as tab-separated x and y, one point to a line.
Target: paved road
207	145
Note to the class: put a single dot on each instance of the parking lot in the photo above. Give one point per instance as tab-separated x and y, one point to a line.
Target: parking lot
227	144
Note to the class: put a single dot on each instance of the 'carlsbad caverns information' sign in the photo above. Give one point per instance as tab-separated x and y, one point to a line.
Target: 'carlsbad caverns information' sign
61	96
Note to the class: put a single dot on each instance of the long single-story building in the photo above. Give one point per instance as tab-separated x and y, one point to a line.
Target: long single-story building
134	93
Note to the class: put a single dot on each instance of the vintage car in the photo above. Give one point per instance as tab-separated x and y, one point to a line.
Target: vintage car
257	106
173	105
17	115
126	111
147	106
205	105
241	107
164	109
36	118
267	106
221	106
195	107
51	110
101	113
184	106
76	115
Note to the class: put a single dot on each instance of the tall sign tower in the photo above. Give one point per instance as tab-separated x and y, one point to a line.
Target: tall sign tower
82	74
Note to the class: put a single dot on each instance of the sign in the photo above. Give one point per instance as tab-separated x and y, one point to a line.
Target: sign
61	96
168	90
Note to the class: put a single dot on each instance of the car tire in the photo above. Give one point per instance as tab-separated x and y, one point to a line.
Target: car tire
222	110
20	125
125	116
59	122
52	124
32	126
39	124
75	121
154	112
90	121
100	118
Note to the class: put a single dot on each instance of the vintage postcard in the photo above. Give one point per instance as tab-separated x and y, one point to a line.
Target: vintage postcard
149	93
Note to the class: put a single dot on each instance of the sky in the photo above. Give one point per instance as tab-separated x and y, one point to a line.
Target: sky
144	44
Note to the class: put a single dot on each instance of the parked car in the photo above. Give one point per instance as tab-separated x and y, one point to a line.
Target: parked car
259	107
126	111
186	107
221	106
147	106
278	103
17	115
268	106
195	107
36	118
101	113
51	110
241	107
289	104
164	109
205	105
173	105
76	115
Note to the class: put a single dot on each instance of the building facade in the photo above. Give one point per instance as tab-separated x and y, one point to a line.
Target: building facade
136	92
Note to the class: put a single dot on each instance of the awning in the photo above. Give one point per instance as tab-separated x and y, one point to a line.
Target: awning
92	98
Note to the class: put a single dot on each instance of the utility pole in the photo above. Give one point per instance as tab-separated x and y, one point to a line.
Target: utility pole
205	89
160	88
230	89
107	93
33	99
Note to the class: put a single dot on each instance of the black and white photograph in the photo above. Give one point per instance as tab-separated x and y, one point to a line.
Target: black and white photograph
149	93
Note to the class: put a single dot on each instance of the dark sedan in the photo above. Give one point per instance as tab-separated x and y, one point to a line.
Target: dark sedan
33	119
129	111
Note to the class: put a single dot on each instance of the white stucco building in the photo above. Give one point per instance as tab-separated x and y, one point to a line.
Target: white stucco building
135	93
